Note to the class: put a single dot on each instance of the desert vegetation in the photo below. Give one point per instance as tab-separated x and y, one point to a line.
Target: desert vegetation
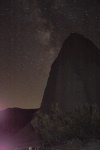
57	127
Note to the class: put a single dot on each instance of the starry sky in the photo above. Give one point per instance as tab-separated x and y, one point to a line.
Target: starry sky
31	35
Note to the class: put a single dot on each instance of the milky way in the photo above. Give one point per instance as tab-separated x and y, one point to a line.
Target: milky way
31	35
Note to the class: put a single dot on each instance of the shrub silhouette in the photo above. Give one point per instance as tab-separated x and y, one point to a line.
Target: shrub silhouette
57	127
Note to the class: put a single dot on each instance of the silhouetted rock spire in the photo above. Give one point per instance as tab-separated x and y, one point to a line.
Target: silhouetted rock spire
74	79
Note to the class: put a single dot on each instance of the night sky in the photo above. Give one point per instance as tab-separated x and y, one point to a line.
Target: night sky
31	35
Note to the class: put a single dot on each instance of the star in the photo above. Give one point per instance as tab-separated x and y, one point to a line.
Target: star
31	36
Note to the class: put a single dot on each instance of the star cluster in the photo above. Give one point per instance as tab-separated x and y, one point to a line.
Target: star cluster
31	35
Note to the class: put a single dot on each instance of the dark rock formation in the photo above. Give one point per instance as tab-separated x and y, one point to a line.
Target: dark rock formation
14	125
25	138
74	79
13	120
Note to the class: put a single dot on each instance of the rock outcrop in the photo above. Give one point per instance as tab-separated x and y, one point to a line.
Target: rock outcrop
74	79
12	120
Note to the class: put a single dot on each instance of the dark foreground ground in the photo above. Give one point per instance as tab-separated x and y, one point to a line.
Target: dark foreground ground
27	137
71	145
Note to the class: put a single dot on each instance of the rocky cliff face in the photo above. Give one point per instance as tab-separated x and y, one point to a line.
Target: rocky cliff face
74	79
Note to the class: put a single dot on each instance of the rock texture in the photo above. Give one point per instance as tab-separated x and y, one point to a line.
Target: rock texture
74	79
12	120
25	138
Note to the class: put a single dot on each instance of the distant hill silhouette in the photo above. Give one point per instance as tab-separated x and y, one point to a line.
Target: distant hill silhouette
13	120
74	79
